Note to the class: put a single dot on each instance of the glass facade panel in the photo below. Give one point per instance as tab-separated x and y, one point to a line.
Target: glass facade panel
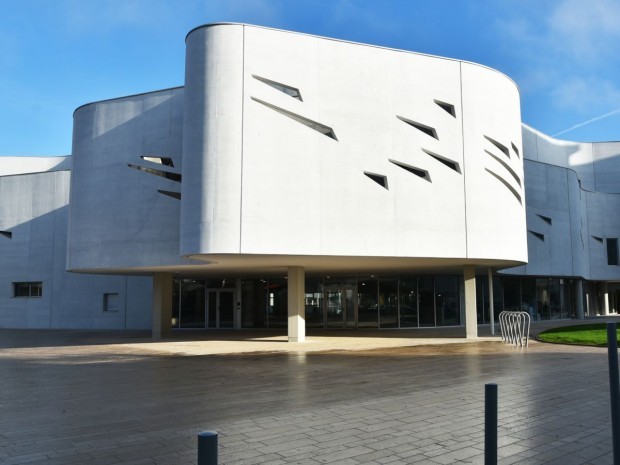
226	309
447	300
314	303
192	303
498	297
528	297
254	303
542	299
482	296
555	299
212	309
176	303
388	302
408	288
277	303
512	294
426	302
368	305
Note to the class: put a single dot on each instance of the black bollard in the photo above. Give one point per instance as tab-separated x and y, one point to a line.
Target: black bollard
490	424
207	448
614	389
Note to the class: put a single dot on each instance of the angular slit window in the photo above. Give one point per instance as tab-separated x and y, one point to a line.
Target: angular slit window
514	147
505	165
288	90
174	195
378	178
412	169
546	219
447	107
164	174
8	234
166	161
537	234
325	130
505	183
499	145
446	161
429	131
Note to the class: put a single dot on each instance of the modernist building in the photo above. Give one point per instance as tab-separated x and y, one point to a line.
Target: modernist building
297	181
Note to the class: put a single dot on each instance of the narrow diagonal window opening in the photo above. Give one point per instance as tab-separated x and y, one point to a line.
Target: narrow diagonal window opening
174	195
505	183
166	161
446	161
429	131
378	178
499	145
325	130
8	234
514	147
596	238
546	219
164	174
412	169
288	90
505	165
537	234
447	107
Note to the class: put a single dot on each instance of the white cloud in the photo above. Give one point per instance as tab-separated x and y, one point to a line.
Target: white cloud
586	94
586	30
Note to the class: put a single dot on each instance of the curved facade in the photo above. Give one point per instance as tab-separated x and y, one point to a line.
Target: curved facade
303	181
296	145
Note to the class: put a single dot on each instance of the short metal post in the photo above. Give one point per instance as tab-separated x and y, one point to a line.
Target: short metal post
207	448
490	424
614	389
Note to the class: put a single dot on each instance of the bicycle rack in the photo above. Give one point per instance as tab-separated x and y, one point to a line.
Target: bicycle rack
515	327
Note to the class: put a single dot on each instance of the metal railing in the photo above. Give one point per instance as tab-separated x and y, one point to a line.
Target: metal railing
515	327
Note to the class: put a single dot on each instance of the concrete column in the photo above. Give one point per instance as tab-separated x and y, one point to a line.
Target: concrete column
605	296
296	304
471	323
579	299
162	305
491	304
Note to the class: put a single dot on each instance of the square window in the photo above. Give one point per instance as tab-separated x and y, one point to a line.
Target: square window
111	302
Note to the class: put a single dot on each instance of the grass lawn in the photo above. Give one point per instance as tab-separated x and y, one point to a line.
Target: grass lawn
590	335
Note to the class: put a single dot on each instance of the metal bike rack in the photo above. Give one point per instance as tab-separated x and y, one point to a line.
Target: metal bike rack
515	327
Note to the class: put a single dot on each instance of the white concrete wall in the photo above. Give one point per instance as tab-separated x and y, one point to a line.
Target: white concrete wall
117	216
576	186
292	190
33	207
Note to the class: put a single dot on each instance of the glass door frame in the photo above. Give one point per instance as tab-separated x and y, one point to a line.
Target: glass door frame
218	292
342	289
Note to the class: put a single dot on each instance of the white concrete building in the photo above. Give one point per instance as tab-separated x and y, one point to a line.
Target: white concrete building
298	181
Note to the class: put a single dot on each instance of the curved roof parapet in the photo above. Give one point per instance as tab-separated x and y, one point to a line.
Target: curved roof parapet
597	164
126	96
351	42
29	165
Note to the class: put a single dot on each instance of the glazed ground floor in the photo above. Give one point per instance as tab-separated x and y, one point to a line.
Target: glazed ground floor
381	301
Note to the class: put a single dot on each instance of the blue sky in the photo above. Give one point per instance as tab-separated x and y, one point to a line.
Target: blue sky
56	55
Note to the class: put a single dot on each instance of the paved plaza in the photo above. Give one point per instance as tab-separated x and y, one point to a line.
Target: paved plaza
377	397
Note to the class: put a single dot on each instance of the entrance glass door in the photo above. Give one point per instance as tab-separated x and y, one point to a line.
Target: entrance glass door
341	307
220	308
